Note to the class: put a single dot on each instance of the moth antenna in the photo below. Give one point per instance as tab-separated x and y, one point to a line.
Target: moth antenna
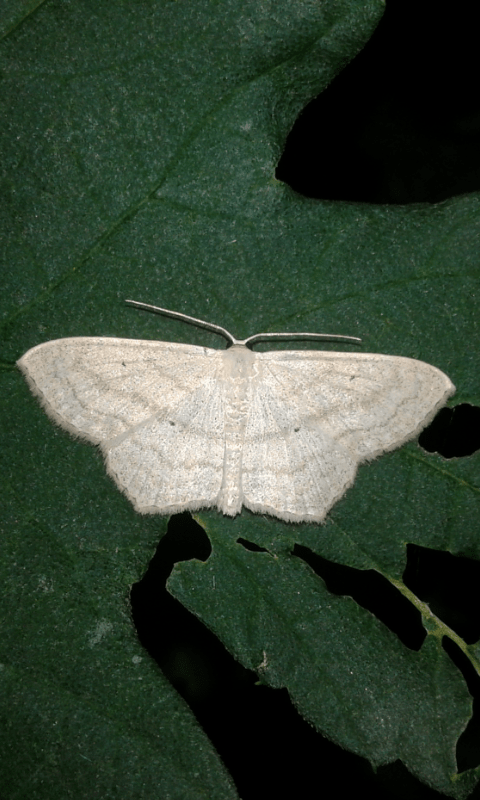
210	326
331	337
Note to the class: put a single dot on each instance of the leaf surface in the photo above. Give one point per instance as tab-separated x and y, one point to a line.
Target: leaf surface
139	148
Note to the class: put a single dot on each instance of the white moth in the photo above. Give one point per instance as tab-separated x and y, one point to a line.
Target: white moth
188	427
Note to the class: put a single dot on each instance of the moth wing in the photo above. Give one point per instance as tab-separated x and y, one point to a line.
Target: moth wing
155	408
315	416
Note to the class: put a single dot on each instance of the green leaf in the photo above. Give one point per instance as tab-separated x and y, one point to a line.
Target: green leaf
139	145
345	671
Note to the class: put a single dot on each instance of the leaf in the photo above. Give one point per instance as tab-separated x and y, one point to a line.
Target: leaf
139	149
345	671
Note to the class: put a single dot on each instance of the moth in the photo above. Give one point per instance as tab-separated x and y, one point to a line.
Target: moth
188	427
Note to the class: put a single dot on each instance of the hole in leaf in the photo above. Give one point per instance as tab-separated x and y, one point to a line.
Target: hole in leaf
455	432
155	611
371	591
468	756
400	784
401	123
254	548
449	585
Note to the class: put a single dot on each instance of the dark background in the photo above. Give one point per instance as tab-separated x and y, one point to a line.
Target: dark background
401	124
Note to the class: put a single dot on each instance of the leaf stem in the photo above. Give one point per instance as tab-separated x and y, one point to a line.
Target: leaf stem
433	625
